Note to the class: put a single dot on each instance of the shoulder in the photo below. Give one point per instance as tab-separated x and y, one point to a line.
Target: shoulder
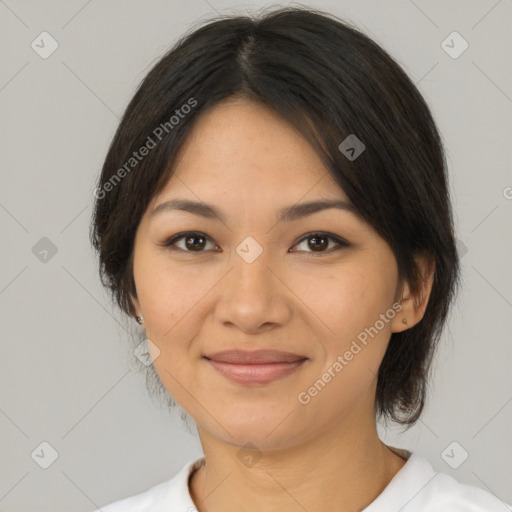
448	493
418	487
160	497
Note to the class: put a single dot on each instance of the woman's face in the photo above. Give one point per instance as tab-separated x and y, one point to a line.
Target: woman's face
251	281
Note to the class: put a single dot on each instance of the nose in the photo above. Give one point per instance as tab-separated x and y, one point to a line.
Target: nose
253	296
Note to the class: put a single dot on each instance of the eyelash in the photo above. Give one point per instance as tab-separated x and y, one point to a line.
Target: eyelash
169	243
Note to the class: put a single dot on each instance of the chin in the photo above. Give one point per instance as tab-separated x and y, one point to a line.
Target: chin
267	429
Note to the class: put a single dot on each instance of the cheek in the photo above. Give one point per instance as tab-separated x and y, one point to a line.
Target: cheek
167	291
345	301
350	303
175	303
171	304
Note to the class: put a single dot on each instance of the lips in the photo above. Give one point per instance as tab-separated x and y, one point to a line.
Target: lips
254	357
256	367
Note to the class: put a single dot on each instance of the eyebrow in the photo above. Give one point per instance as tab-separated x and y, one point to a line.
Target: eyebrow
286	214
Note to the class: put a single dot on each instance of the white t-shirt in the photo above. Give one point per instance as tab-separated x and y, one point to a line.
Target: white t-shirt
417	487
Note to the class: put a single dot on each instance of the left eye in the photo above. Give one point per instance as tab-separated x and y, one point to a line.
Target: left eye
319	242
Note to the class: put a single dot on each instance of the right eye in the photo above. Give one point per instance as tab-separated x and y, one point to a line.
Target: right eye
194	241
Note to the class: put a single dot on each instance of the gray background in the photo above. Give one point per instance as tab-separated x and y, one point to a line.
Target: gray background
66	374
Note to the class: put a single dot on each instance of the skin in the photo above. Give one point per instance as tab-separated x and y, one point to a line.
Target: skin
326	455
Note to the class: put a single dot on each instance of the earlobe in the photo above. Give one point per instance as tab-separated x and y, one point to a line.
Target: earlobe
402	320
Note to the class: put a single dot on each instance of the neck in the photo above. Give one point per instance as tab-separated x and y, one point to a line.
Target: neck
342	469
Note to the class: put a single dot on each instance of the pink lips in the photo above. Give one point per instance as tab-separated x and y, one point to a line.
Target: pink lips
257	367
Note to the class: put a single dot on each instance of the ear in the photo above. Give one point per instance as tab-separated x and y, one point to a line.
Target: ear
415	304
136	305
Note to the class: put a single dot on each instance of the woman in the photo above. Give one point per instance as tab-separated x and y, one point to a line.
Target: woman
273	211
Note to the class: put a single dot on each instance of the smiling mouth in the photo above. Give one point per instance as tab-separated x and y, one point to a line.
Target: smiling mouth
255	368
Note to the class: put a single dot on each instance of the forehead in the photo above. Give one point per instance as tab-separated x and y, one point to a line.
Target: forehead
246	148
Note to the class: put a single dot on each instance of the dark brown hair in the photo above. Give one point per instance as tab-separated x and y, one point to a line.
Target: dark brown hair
330	81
